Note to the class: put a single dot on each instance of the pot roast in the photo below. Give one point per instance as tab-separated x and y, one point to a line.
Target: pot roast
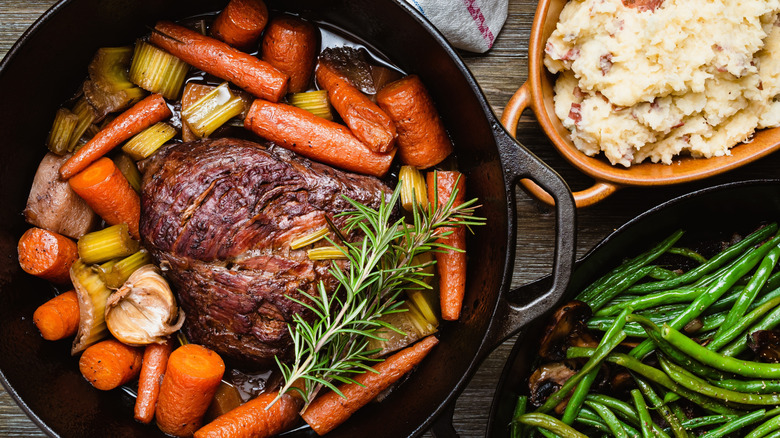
219	216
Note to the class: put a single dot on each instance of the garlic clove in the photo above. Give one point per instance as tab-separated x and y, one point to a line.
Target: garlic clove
144	309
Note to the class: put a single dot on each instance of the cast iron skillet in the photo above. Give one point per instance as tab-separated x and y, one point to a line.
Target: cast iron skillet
48	63
703	214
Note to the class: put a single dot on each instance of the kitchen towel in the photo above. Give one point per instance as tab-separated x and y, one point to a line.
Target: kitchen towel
467	24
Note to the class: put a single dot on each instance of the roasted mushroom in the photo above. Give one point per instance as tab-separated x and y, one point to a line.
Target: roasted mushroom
567	327
547	379
144	309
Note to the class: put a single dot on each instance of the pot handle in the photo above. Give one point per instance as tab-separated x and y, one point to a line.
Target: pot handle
521	100
521	306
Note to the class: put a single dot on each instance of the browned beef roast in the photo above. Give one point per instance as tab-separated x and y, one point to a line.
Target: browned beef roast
219	215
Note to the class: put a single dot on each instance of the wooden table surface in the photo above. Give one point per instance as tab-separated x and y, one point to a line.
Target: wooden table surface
499	72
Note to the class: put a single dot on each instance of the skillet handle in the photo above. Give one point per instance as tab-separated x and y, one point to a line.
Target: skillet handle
535	299
521	100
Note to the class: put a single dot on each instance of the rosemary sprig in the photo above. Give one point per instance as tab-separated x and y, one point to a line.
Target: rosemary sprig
334	345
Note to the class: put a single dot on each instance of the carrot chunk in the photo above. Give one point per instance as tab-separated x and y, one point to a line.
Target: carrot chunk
290	45
152	371
329	410
139	117
58	318
219	59
450	264
254	419
241	23
46	254
110	364
314	137
108	193
422	140
191	379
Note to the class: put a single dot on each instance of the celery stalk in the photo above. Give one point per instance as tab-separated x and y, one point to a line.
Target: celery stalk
146	142
129	169
122	269
157	71
308	239
212	111
86	115
315	102
413	188
61	131
326	253
106	244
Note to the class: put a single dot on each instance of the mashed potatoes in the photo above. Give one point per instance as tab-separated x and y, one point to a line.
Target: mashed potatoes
690	76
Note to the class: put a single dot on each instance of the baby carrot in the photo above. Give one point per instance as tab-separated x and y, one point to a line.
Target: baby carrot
329	410
108	193
139	117
219	59
152	370
314	137
241	23
254	419
450	264
59	317
422	140
46	254
110	364
190	381
290	45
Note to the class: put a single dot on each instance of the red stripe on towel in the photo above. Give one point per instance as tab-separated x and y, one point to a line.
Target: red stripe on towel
476	14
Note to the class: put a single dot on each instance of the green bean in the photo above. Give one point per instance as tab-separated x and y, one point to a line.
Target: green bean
689	253
617	273
775	434
660	378
654	333
609	418
598	425
768	322
673	296
657	403
645	422
751	386
750	292
735	330
516	429
619	407
547	434
718	361
552	424
578	396
742	266
711	265
611	339
735	424
709	420
660	273
701	386
628	280
768	426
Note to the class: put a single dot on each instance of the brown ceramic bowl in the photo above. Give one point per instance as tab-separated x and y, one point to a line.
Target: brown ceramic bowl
537	93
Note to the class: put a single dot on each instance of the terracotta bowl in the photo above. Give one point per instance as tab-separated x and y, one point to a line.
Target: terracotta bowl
537	93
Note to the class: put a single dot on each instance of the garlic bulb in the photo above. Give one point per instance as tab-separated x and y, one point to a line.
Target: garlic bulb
144	309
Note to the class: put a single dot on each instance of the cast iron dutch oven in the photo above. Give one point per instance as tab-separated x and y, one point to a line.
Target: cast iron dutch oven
707	214
49	62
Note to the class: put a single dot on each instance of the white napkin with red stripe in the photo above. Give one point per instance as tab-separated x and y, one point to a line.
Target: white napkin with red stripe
467	24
